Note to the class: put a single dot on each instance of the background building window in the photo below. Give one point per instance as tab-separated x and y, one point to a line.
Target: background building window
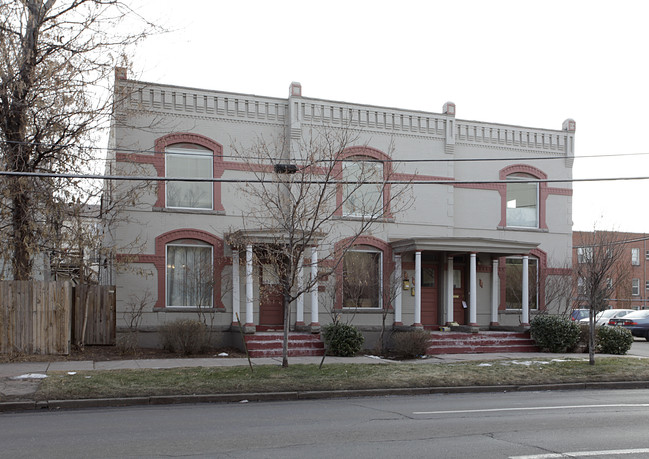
190	275
362	274
190	163
514	283
363	189
522	202
635	257
584	254
635	287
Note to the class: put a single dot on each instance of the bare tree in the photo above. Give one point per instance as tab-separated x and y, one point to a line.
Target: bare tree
315	192
56	60
600	272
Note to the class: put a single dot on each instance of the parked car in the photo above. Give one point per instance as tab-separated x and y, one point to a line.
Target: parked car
637	322
578	314
603	317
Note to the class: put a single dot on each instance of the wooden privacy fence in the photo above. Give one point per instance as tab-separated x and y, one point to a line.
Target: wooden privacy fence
46	317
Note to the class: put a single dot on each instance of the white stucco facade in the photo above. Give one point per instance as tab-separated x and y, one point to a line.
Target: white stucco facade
454	230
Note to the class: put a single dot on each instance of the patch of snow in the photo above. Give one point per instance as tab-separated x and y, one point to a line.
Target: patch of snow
71	373
373	357
31	376
223	354
243	401
485	365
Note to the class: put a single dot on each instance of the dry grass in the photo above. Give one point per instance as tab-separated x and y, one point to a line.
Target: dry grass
129	383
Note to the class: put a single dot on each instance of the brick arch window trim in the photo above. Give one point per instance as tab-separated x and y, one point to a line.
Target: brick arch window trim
543	192
348	244
371	154
169	140
159	261
542	274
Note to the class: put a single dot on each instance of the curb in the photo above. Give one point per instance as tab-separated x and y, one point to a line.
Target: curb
30	405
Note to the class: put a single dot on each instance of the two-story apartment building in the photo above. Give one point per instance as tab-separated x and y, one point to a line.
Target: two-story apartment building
488	220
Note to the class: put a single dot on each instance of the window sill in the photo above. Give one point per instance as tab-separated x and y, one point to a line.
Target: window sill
189	211
188	309
360	310
519	228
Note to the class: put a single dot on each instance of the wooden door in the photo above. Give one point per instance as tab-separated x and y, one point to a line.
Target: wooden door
429	312
459	297
271	300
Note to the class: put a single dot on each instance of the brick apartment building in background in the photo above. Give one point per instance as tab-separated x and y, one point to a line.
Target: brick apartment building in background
632	291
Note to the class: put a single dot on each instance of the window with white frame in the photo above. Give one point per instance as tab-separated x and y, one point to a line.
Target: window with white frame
363	189
514	282
635	287
189	163
362	279
190	274
522	201
584	254
635	257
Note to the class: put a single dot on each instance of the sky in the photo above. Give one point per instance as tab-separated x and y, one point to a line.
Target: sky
526	63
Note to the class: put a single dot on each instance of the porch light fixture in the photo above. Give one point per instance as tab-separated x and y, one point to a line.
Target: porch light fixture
406	284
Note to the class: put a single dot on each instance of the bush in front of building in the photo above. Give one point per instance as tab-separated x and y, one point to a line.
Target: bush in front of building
613	340
554	333
185	336
342	340
410	344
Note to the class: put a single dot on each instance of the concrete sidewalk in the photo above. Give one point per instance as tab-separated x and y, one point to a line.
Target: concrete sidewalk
19	381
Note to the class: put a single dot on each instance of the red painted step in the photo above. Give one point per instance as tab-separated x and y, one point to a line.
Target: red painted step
267	344
482	342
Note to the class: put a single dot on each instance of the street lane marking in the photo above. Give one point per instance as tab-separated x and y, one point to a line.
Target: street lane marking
612	452
536	408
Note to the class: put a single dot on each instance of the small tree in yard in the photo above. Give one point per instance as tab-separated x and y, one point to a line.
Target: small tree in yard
301	192
600	272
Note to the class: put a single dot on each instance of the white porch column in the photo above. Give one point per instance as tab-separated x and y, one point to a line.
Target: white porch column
473	293
397	290
299	320
236	300
315	323
417	289
495	290
249	316
525	319
449	290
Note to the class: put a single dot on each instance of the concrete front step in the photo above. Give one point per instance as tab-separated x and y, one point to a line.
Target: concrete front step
483	342
270	345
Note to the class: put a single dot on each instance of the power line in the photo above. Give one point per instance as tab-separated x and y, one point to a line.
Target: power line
271	159
315	182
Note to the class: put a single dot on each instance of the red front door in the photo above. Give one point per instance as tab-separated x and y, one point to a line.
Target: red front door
271	301
429	314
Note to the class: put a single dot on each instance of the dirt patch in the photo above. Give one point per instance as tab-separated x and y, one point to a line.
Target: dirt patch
105	353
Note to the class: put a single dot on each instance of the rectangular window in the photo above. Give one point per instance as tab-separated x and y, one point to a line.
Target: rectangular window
189	275
646	285
522	202
362	274
584	254
188	163
581	286
363	195
635	257
635	287
514	283
646	255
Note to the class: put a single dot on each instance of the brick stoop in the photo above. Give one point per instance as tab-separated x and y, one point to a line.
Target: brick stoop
478	343
269	344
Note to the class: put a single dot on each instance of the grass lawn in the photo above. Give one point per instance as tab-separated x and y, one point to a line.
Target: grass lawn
269	378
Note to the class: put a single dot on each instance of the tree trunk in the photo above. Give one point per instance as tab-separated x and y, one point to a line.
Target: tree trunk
287	317
22	262
591	337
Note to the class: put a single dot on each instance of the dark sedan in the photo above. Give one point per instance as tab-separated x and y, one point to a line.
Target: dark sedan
636	322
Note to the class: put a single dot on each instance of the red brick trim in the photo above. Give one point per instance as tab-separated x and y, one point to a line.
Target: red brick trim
162	143
158	260
341	247
370	153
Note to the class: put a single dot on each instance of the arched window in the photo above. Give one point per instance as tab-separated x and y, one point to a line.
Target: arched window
522	201
189	273
363	278
193	162
363	192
